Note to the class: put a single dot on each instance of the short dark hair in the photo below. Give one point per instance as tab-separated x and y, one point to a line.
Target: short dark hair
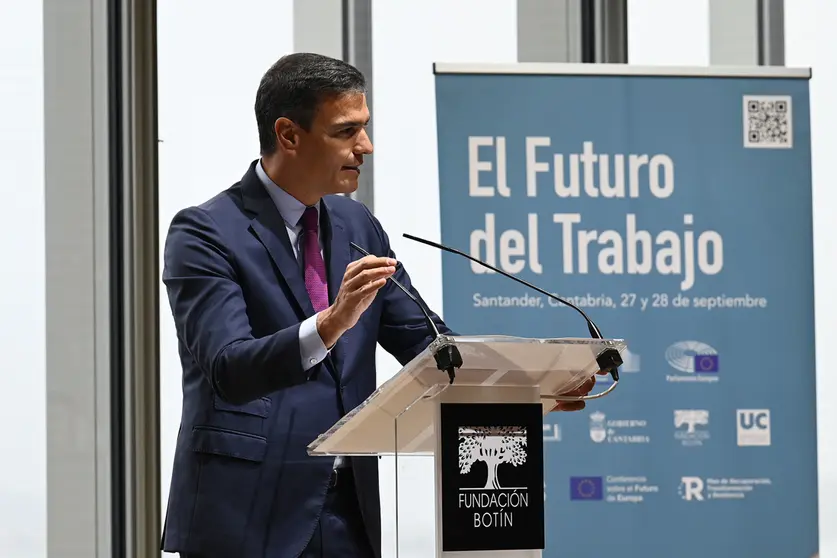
295	86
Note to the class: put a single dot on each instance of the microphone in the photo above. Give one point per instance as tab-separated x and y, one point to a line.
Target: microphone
448	359
608	361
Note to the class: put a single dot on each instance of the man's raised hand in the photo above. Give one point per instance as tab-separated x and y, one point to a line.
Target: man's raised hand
361	282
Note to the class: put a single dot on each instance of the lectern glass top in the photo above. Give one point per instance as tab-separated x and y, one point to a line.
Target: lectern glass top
405	402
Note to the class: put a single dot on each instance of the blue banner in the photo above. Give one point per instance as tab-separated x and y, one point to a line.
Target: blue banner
676	211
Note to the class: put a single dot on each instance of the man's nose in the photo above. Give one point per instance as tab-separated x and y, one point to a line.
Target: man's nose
364	144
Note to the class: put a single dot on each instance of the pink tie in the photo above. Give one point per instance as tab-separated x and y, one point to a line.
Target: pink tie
315	271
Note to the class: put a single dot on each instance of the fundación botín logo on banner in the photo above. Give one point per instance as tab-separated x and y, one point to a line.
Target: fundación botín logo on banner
691	426
695	361
492	477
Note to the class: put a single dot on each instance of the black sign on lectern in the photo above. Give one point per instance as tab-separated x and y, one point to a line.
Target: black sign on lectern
492	476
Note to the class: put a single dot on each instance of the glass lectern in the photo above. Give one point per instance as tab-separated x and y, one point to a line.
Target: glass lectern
484	437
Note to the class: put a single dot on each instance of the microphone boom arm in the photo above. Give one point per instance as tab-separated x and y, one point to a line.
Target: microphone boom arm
608	361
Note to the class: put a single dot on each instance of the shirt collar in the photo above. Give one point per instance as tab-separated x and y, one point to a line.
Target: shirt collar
289	207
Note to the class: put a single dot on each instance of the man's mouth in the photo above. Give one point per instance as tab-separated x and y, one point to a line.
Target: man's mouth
352	168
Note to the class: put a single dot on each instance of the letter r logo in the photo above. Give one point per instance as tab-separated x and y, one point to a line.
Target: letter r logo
691	488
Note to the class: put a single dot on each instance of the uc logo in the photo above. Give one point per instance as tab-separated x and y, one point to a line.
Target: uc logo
759	419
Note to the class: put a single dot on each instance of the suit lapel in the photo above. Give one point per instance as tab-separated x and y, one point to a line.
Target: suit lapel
269	228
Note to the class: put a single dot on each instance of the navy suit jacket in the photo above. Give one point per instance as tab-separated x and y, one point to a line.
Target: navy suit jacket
242	483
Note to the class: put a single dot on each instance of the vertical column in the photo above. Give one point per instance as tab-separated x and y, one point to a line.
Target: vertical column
549	31
140	261
318	27
747	32
771	21
594	31
78	306
610	31
103	493
357	50
341	29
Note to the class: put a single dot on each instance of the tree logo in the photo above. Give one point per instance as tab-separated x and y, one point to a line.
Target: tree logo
690	418
494	446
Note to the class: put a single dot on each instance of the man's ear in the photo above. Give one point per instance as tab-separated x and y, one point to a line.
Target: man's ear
287	134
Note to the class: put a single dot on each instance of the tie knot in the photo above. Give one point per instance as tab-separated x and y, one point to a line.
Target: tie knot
310	222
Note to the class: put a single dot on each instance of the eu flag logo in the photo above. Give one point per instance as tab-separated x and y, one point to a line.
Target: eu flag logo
706	363
586	488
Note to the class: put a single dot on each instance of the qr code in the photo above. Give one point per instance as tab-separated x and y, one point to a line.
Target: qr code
768	121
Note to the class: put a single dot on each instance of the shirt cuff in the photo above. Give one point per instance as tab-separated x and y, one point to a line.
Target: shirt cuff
311	347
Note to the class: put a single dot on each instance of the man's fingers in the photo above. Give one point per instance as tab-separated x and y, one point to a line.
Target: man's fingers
588	385
366	262
355	266
371	287
568	406
368	276
583	389
580	391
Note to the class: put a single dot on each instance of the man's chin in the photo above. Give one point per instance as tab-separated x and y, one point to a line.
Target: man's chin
345	187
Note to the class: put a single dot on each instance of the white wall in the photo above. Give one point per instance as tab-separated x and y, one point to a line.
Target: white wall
22	302
212	55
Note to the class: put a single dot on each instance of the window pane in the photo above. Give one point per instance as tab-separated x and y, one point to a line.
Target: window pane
661	32
22	302
211	56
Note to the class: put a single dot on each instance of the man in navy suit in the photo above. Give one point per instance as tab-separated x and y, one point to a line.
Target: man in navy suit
277	325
